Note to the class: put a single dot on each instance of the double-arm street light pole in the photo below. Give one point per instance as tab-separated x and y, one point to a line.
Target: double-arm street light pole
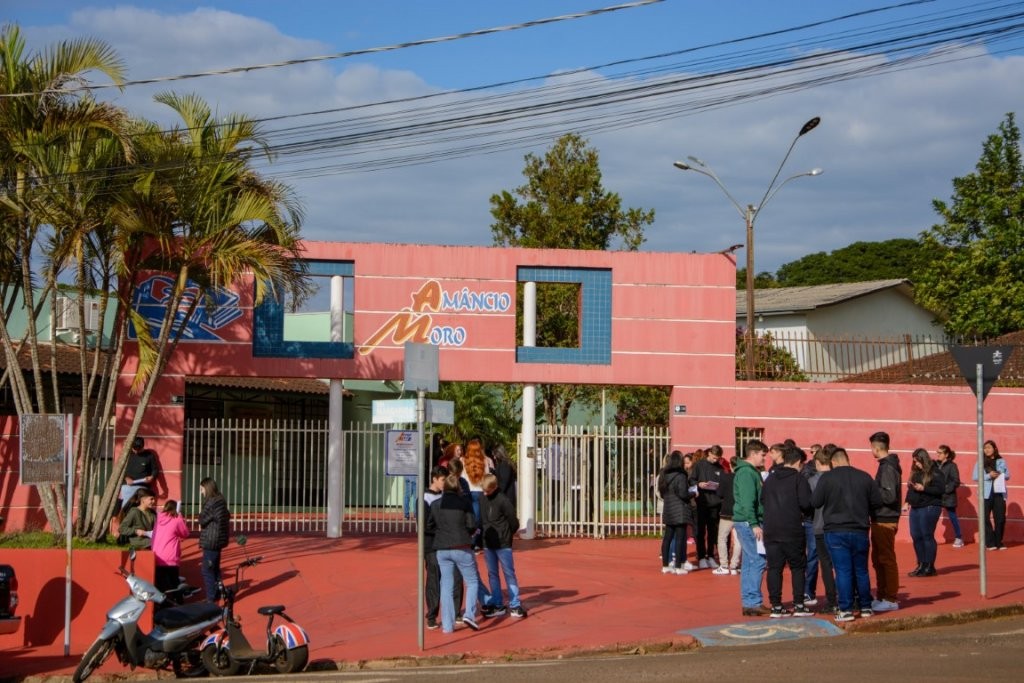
749	215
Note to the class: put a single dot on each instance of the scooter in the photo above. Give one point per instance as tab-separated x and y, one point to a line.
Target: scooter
225	652
177	630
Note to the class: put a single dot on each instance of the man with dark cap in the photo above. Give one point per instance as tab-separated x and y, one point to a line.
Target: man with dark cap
884	524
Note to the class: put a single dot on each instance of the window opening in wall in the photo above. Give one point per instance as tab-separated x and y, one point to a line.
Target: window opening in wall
745	435
559	308
309	320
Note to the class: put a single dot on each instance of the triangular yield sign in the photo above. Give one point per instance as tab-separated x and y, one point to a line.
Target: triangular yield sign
992	360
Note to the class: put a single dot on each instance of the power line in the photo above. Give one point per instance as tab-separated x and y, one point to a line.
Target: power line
344	55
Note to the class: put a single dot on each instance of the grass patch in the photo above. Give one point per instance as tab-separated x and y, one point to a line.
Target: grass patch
43	540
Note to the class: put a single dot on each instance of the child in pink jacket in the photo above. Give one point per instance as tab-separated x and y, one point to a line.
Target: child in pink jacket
167	534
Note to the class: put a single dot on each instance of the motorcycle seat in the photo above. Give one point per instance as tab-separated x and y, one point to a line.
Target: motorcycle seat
271	609
186	615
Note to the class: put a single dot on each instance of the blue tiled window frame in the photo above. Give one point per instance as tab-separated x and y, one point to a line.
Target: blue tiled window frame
268	323
595	318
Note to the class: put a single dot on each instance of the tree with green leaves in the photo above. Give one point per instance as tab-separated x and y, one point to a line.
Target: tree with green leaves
976	281
563	205
900	258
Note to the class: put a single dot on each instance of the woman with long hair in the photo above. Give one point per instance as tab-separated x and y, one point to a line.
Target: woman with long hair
675	514
994	492
949	499
924	499
215	530
477	465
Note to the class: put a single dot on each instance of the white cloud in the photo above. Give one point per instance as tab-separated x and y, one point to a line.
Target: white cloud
889	144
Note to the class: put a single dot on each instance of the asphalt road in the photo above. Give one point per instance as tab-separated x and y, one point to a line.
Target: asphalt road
991	650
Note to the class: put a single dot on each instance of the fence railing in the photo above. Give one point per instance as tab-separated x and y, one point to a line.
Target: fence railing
912	359
591	482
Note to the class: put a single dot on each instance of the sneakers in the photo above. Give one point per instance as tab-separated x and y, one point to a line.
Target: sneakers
759	611
809	601
703	564
681	571
431	624
721	571
488	612
458	619
517	612
712	563
778	612
1002	547
668	569
844	616
884	605
958	543
734	572
800	610
688	566
866	612
471	623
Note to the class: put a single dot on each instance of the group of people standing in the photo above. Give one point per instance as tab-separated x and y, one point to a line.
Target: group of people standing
470	509
141	526
818	515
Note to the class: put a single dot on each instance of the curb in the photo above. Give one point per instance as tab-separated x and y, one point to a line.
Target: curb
682	644
895	624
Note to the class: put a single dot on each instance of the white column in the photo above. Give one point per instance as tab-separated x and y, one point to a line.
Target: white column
528	439
335	437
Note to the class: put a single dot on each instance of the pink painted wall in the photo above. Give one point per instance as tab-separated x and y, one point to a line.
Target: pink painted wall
673	322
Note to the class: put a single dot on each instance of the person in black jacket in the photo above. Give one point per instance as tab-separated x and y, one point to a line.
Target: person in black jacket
924	502
847	498
140	472
674	488
505	471
951	473
500	525
786	498
452	522
706	475
215	530
885	524
433	579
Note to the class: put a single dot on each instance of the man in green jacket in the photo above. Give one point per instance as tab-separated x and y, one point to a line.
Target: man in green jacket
747	517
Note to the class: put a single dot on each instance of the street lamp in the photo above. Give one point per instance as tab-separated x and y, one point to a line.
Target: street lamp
749	214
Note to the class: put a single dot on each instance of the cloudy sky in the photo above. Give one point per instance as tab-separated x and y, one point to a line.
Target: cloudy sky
412	142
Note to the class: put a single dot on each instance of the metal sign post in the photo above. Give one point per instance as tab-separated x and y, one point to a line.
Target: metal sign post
980	366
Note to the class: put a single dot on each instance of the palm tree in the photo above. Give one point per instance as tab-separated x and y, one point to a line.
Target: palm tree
198	212
41	114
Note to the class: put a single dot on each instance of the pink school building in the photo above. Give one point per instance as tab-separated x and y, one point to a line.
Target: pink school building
645	318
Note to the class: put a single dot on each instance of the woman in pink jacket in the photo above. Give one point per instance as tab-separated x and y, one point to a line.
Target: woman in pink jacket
167	534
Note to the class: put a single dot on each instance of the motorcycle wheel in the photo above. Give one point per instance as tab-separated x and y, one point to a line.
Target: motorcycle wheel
290	661
189	664
93	659
218	661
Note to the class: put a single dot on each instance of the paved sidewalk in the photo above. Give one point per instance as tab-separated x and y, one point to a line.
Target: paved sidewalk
356	597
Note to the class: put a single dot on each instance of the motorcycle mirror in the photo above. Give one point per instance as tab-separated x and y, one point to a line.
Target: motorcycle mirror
241	540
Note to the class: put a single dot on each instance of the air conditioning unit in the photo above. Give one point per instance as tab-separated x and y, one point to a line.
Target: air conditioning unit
66	314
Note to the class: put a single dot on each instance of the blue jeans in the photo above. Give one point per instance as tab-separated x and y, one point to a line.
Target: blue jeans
447	561
922	531
954	521
752	569
503	557
210	571
409	498
811	572
849	553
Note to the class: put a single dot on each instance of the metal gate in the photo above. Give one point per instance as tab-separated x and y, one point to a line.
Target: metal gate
598	483
274	476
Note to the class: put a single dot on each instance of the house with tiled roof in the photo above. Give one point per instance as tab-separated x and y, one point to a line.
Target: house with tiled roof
846	328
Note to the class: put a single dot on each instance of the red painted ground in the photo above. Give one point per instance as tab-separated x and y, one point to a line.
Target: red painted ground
357	598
